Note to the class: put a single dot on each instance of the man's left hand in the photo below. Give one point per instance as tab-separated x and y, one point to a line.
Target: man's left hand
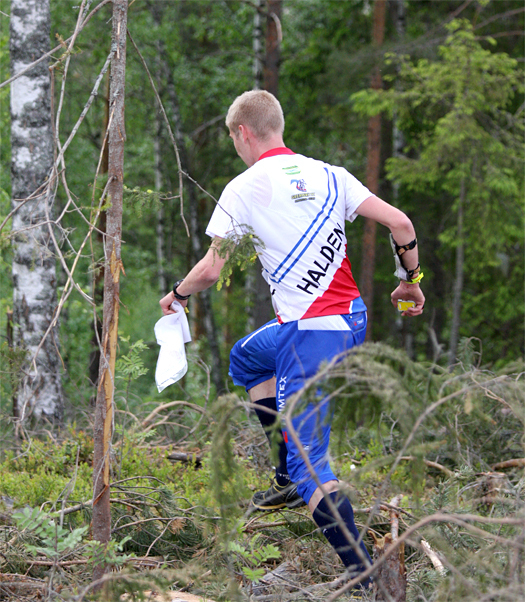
409	292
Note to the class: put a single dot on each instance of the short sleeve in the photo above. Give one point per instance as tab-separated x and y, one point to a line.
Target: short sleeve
228	215
355	194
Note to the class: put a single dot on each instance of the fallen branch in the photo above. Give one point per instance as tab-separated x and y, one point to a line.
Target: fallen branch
516	463
170	404
461	520
192	457
429	463
434	559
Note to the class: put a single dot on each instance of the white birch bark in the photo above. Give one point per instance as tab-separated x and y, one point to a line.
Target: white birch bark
33	268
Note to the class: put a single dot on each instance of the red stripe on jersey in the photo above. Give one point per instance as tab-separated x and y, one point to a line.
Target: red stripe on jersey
337	297
280	150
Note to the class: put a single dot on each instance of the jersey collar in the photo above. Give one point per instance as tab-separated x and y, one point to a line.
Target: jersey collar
280	150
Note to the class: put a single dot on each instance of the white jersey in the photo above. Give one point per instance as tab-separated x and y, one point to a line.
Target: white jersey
297	206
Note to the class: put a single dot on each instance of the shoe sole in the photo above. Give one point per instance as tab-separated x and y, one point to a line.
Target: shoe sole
291	505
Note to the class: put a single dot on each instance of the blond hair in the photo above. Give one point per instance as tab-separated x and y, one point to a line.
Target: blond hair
259	110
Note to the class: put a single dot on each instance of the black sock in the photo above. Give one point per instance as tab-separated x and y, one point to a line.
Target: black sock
268	420
328	524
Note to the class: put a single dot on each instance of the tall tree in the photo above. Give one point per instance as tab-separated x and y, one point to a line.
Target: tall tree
464	143
103	430
260	310
366	284
34	266
190	192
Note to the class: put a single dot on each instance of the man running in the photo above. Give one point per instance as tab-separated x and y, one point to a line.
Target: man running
297	206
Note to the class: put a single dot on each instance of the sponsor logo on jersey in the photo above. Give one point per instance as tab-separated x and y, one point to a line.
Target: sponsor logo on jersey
281	396
291	170
303	195
299	184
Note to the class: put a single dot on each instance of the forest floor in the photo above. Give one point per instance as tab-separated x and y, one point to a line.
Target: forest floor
182	523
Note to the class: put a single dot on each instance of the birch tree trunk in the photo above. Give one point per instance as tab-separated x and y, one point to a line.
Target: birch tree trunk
103	430
34	266
366	284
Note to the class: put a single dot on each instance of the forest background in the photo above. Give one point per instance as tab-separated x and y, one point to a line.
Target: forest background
450	97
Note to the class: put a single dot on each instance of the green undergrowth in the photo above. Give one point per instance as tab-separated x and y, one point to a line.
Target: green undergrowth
430	439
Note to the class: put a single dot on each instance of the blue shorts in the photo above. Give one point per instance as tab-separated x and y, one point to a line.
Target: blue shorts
302	348
252	359
294	352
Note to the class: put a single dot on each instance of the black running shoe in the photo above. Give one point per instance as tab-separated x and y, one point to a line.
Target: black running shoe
277	496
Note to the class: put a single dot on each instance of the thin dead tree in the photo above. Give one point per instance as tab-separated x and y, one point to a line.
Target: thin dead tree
113	266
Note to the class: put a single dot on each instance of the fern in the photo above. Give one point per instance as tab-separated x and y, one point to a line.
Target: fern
55	540
255	555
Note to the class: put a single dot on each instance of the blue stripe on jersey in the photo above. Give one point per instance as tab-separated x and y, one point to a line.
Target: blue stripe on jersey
303	237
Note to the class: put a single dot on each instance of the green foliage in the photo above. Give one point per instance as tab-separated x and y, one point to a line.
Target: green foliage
463	151
11	359
110	554
238	251
253	556
224	469
55	540
138	201
131	365
383	388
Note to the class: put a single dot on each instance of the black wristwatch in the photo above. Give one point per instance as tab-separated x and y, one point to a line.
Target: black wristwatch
177	296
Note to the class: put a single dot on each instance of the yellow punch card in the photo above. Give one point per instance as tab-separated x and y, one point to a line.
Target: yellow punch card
404	305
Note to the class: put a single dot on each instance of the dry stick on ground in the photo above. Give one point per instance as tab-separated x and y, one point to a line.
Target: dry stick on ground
516	463
430	464
434	558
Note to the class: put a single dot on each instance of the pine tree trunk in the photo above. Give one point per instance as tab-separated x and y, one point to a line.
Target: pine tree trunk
404	327
273	46
103	430
458	282
34	266
366	284
257	47
259	306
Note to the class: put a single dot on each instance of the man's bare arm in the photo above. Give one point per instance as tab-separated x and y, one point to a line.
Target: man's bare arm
403	232
203	275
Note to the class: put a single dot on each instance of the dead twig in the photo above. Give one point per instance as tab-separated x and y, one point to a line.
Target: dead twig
516	463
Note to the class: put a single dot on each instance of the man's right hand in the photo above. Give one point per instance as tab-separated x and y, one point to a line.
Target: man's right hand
165	303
